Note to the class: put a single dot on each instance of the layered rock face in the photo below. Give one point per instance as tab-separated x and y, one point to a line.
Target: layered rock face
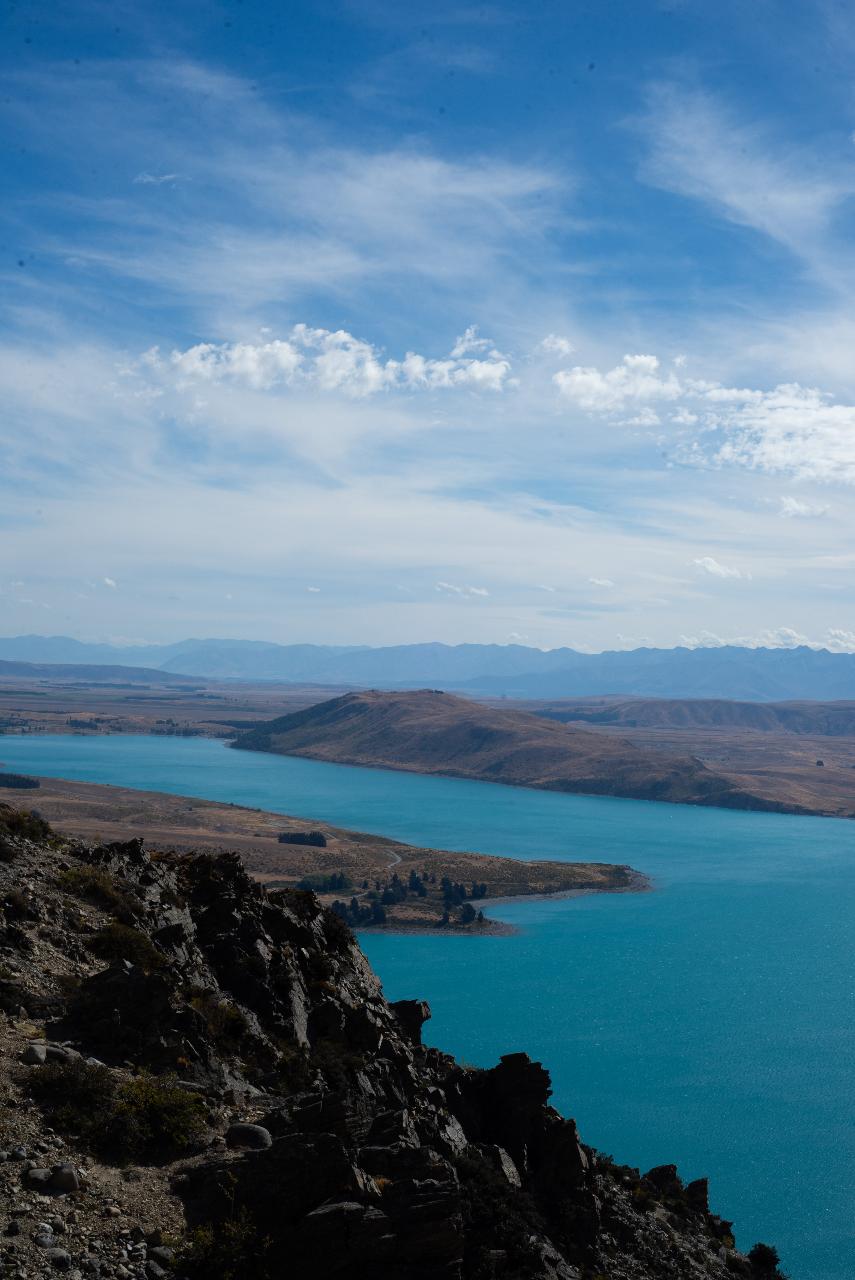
332	1142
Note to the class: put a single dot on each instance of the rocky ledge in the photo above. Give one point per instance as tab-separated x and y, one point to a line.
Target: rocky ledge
203	1079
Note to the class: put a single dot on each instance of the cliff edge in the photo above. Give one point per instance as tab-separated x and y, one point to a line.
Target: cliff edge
204	1079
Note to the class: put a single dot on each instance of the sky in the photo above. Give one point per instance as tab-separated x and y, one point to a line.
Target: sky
360	322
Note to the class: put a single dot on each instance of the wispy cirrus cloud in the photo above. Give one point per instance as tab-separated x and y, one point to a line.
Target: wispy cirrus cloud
715	569
244	205
700	146
454	589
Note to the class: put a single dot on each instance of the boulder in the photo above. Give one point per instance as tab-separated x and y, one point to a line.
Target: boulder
35	1054
253	1136
60	1259
64	1179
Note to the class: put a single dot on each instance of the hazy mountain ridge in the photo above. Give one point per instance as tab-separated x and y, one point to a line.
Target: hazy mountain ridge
728	672
95	673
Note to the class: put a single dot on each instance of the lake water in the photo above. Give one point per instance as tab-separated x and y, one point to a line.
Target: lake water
708	1023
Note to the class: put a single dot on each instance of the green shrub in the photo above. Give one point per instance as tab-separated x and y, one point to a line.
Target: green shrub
764	1260
18	906
139	1119
226	1023
100	887
154	1117
231	1250
21	822
294	1068
121	942
75	1095
337	933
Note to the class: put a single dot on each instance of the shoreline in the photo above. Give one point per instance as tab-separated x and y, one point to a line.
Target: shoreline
778	807
640	883
758	803
347	866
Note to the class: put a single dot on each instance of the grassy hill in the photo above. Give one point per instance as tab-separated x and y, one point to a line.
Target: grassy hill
431	732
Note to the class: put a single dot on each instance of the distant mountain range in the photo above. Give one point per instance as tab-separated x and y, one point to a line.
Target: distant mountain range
752	675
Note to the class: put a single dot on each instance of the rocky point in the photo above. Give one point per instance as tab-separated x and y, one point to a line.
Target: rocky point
204	1079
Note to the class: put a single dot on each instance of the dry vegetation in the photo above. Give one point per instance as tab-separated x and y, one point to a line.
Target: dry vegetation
182	823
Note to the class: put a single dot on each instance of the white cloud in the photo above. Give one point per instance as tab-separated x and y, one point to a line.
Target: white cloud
334	361
699	147
154	179
453	589
834	639
601	582
717	570
839	640
256	365
635	380
554	344
795	509
277	206
646	418
789	429
111	583
313	590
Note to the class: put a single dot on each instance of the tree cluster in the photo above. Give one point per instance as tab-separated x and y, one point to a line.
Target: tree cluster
454	894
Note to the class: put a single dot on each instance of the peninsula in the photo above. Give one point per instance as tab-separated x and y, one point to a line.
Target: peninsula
374	882
427	731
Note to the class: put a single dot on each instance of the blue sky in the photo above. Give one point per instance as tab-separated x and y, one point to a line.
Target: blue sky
364	322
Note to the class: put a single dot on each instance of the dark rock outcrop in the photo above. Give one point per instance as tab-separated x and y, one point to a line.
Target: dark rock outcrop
346	1148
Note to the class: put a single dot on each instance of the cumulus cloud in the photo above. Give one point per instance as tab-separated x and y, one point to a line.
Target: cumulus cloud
453	589
834	639
334	361
635	380
601	582
717	570
313	590
793	430
111	583
556	345
787	430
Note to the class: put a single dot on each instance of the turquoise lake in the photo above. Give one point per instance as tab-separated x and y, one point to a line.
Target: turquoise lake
709	1022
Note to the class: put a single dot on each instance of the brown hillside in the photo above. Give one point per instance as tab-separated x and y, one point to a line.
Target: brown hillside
431	732
828	719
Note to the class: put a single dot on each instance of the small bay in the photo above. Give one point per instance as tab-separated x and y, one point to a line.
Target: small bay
709	1022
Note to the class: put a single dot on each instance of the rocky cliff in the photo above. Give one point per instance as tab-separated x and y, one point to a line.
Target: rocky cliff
205	1079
